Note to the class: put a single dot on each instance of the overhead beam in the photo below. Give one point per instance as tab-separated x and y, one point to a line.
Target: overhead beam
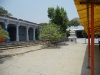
94	2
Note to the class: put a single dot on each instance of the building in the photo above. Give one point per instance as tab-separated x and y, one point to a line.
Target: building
78	30
72	37
19	30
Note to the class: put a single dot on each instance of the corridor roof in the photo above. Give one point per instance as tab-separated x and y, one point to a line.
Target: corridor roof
85	18
75	28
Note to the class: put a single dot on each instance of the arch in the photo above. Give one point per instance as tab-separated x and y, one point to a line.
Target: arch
79	34
2	25
22	33
12	32
30	33
37	33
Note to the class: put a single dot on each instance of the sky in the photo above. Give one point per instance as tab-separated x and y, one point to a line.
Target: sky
36	10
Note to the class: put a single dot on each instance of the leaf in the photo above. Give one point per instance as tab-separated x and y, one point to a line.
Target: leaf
3	33
50	32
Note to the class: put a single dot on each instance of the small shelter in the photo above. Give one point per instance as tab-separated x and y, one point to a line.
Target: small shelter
72	37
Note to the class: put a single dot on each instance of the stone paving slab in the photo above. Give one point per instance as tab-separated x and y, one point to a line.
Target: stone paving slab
20	50
66	60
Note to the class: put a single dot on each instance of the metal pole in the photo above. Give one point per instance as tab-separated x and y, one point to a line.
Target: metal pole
88	47
92	39
88	37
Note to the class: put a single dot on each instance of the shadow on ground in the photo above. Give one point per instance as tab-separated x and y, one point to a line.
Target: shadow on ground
1	51
85	70
54	46
4	58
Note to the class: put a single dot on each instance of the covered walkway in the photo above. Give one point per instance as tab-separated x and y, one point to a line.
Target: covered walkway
89	13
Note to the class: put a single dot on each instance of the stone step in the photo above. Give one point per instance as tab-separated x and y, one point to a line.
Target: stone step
6	48
20	44
13	47
16	45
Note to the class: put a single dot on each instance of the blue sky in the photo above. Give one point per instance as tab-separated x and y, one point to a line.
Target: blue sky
36	10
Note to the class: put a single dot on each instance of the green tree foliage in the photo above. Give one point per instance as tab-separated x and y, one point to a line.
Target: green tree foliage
73	23
50	32
59	17
3	33
4	12
84	34
97	35
68	33
42	24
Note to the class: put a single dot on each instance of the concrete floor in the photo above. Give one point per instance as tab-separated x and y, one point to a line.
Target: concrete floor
97	60
68	59
83	40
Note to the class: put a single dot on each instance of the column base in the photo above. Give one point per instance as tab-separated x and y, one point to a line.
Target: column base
17	39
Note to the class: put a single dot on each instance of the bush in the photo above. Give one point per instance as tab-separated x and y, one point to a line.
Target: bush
84	34
50	32
3	33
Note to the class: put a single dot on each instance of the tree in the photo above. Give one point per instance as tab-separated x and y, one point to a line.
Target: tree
51	32
42	24
73	23
3	33
4	12
97	35
84	34
59	17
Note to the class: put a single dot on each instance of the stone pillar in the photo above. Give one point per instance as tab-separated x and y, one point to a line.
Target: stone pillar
6	29
17	33
34	33
27	36
6	26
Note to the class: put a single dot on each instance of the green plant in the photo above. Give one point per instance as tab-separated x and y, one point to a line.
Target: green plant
59	17
50	32
84	34
73	23
4	12
3	33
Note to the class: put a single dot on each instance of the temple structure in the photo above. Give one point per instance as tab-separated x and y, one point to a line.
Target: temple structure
72	37
78	30
19	30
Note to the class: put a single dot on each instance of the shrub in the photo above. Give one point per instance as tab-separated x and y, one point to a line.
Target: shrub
50	32
3	33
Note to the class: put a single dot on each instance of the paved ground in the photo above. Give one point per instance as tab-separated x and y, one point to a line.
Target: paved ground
68	59
32	48
20	50
83	40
